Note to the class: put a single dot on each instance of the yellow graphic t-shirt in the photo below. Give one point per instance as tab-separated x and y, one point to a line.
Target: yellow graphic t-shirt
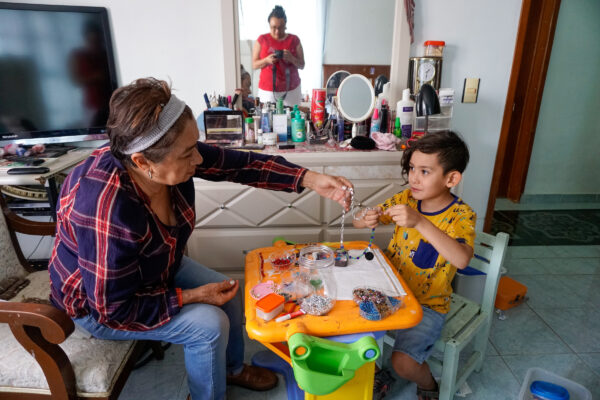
426	272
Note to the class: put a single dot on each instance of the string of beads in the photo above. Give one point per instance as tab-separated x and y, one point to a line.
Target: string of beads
367	252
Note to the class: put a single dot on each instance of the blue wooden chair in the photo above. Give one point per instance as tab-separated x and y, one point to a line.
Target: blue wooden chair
468	321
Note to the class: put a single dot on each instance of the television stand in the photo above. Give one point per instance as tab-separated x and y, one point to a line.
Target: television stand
56	166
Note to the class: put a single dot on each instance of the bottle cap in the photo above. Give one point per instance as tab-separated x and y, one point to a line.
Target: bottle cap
434	43
376	114
249	120
397	123
406	95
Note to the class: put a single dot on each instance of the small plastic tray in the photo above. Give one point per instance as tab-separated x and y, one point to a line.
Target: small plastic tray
576	391
282	260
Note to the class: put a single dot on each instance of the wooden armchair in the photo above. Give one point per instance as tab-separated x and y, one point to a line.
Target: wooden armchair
43	356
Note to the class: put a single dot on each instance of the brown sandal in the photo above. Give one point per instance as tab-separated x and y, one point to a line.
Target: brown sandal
254	378
433	394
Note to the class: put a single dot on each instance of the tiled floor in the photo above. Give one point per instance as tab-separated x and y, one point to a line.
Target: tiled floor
557	329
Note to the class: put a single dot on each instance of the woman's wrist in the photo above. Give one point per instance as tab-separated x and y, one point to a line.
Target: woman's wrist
309	179
192	296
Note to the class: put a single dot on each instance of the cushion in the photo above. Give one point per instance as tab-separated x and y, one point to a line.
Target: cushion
96	362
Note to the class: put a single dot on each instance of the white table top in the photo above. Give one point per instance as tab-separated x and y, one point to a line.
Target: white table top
56	165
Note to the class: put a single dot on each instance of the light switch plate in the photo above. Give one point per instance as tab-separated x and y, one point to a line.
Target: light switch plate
470	90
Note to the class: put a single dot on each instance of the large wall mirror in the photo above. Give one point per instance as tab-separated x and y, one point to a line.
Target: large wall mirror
339	32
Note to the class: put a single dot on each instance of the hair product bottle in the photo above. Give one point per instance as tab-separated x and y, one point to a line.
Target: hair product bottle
405	111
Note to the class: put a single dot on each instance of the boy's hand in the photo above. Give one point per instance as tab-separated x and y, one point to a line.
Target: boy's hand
371	218
403	215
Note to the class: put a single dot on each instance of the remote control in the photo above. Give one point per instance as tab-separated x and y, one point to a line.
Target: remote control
28	170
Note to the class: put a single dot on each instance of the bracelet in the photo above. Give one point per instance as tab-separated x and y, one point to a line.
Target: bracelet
179	297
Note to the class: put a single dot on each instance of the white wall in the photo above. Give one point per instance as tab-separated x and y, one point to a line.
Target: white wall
564	159
179	40
480	39
359	32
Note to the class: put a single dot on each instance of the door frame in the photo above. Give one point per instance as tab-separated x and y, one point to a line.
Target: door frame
533	47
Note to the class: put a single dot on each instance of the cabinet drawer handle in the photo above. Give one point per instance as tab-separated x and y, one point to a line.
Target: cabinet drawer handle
222	206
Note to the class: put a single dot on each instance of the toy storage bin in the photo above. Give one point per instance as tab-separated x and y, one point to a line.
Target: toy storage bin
576	391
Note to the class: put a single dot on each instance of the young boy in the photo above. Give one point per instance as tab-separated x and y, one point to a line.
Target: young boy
434	235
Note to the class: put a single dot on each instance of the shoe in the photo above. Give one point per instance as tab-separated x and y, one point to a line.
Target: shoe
254	378
382	384
432	394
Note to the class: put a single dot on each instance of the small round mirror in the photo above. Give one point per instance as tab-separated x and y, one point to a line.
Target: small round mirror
333	83
356	98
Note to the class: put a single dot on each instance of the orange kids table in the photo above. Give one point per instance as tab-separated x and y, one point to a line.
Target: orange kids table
343	319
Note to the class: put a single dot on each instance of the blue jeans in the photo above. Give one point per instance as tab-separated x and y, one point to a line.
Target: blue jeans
418	341
212	337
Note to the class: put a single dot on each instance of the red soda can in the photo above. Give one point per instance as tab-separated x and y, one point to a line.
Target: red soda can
317	107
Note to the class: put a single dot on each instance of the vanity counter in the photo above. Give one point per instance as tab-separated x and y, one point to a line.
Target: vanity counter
232	219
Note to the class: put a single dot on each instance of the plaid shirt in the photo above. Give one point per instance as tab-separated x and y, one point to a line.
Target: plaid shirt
113	258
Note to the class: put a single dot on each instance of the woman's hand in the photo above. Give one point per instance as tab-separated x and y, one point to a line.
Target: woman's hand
270	59
404	215
289	57
330	187
212	293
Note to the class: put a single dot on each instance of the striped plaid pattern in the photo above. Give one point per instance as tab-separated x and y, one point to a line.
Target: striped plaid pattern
113	258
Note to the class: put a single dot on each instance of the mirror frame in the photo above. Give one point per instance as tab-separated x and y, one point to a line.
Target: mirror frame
231	48
371	106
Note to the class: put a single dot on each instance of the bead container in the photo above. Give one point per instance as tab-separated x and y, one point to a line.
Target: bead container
316	270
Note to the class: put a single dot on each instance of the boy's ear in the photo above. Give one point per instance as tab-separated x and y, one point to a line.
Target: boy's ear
453	178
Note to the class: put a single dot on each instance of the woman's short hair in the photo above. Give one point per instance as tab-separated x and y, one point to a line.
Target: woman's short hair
277	12
134	110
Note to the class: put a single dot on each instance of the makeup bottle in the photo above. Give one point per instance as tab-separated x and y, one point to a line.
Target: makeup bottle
340	127
375	121
384	117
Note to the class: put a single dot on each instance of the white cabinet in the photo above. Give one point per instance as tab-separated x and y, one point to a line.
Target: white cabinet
232	219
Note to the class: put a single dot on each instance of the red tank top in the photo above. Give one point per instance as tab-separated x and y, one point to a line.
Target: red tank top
267	46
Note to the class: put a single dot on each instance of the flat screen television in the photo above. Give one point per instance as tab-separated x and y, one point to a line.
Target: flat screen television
57	73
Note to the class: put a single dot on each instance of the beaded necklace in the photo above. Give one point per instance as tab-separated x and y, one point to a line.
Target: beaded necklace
341	254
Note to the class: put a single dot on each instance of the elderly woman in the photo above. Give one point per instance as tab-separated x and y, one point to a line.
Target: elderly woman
278	55
124	218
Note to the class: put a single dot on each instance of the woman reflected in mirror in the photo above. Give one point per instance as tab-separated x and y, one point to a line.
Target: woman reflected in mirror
279	56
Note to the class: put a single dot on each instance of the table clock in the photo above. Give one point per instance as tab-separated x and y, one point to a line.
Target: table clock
423	70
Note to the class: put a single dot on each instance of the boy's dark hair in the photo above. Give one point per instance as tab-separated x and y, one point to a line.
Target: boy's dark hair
277	12
452	151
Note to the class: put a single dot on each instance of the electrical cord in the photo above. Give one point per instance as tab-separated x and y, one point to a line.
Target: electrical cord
38	244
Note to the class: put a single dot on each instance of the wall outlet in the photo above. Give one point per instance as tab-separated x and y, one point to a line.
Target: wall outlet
470	90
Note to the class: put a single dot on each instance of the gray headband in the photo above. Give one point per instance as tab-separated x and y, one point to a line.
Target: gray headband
169	114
